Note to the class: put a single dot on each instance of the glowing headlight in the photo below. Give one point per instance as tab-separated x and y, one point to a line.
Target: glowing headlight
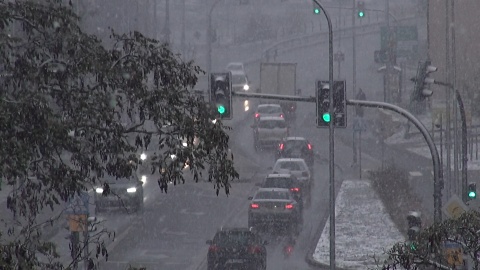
246	87
173	156
99	190
143	156
143	179
185	144
132	190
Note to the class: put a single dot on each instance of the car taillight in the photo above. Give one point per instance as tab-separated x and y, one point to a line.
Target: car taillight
213	248
254	206
257	115
281	115
309	146
304	174
281	146
295	189
255	249
289	206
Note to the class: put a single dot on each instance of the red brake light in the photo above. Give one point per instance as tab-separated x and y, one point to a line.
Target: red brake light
254	206
281	146
295	189
309	146
281	115
213	248
257	115
289	206
254	249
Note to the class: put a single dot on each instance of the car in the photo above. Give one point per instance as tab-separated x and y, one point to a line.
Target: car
296	147
298	168
121	193
269	130
286	180
237	247
240	81
268	110
277	207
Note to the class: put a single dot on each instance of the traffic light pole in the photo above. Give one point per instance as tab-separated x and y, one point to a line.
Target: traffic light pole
464	138
209	37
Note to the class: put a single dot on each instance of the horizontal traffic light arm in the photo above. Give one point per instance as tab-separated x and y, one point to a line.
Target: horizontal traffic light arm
272	96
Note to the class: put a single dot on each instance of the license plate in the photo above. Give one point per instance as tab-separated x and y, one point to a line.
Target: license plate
235	261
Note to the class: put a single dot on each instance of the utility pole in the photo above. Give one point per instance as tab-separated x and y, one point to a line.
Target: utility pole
448	95
155	21
354	51
183	31
386	90
167	22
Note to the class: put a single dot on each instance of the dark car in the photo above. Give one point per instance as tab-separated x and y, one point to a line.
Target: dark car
296	147
122	192
237	247
274	207
286	180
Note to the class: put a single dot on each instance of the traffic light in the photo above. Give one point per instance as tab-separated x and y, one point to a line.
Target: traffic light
472	191
221	94
316	9
361	9
414	221
339	116
422	81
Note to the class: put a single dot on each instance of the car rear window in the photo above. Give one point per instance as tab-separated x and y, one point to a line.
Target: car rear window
294	145
290	165
238	79
234	238
272	195
270	124
269	109
278	182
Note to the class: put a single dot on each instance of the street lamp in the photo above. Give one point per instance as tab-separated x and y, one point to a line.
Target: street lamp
331	139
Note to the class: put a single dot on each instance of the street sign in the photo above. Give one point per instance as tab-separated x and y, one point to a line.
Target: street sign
78	205
453	253
454	207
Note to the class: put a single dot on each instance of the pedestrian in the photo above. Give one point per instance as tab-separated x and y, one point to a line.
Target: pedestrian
360	96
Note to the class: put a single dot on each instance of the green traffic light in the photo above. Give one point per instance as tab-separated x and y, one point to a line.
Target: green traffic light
316	11
326	117
472	194
221	109
361	14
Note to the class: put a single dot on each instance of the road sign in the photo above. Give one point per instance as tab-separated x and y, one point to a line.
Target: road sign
455	207
78	205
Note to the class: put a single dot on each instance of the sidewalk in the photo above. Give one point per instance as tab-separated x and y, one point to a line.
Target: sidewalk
363	229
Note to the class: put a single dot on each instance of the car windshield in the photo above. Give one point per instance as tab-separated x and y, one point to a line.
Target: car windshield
122	180
238	79
294	145
272	195
235	66
278	182
233	238
270	109
270	124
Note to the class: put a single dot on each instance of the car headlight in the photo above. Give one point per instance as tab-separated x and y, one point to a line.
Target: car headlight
185	144
143	156
143	179
173	156
246	87
99	190
132	190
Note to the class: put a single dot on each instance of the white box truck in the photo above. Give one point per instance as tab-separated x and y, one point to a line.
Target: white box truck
279	79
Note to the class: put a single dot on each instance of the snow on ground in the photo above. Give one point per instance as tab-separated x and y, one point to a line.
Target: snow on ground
363	228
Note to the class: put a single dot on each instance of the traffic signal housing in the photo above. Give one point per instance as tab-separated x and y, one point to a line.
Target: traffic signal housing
221	94
316	8
414	221
423	81
472	191
361	9
339	114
